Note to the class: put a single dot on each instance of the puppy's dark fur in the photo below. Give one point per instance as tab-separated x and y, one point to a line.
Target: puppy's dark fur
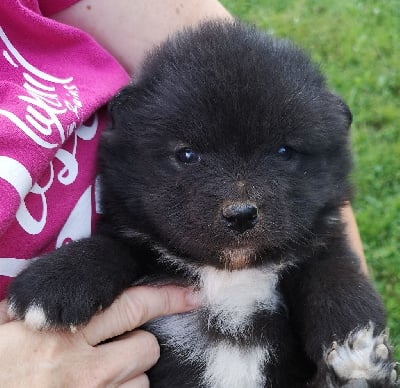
227	158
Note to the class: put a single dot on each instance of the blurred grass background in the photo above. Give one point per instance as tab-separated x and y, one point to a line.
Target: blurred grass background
357	43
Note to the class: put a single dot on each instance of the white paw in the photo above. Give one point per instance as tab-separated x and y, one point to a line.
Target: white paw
34	316
362	356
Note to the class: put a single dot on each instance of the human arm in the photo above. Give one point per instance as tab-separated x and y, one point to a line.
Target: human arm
353	234
129	29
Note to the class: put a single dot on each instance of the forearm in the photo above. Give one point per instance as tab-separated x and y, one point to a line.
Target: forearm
128	29
353	234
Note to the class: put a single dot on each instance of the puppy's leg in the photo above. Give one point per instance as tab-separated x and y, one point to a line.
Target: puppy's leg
341	321
68	286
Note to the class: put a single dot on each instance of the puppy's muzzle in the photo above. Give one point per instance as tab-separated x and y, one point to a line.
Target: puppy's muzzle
240	216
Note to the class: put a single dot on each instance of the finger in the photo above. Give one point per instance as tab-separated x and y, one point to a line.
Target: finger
136	306
126	359
4	318
139	382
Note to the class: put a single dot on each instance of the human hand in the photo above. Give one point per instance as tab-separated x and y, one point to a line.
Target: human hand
53	358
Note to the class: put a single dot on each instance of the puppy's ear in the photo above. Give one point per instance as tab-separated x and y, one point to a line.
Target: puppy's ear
118	111
121	103
342	109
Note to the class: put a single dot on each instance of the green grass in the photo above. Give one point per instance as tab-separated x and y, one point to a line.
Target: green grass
357	44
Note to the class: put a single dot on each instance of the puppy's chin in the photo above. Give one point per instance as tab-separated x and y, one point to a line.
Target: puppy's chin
234	259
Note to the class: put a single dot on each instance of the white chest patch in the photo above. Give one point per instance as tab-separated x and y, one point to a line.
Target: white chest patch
233	367
233	297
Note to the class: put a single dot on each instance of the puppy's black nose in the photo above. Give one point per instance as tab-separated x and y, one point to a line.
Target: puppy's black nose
240	216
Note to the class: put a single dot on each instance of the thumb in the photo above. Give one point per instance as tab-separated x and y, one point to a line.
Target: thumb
136	306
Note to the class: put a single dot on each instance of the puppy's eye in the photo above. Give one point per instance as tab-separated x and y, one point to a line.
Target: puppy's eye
285	152
187	155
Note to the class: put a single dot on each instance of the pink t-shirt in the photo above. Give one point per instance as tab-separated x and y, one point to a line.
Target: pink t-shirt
55	81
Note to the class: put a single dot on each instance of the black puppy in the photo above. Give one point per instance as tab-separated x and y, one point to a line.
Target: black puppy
225	168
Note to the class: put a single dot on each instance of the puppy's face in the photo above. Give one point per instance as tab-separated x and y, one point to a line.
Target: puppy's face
228	147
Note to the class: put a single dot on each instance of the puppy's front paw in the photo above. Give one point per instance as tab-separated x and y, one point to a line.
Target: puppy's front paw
363	360
46	297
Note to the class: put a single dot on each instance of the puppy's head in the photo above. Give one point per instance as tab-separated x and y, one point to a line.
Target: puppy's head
227	146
